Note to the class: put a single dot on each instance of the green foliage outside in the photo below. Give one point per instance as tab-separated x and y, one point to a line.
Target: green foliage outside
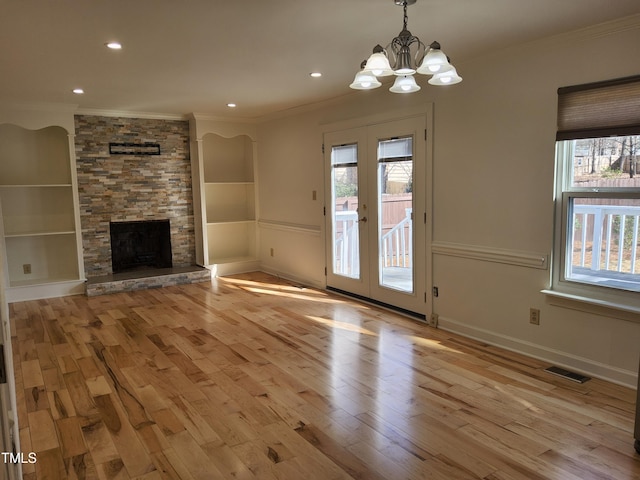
346	190
609	172
628	229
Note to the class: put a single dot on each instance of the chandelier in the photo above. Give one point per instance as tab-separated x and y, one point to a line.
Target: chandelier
408	56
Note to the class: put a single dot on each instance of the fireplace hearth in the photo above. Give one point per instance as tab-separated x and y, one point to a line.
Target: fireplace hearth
140	245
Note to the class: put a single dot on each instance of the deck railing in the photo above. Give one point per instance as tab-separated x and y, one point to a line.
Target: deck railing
605	237
346	248
395	245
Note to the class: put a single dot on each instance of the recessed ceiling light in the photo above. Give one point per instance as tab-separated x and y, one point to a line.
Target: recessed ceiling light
114	45
315	74
231	105
78	91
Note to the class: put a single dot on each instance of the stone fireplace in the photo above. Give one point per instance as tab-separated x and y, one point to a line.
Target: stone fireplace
125	186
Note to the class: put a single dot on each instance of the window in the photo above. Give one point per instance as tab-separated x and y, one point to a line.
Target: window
597	247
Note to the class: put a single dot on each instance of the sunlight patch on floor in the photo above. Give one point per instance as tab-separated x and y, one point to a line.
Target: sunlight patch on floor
433	344
271	285
279	293
283	290
342	325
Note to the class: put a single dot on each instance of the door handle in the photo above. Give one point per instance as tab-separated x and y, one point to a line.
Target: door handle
363	220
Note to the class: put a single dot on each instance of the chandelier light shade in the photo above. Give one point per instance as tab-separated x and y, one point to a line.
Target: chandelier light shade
435	61
378	63
448	77
405	84
365	80
405	56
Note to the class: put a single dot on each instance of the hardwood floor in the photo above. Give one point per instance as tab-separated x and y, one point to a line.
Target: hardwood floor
253	378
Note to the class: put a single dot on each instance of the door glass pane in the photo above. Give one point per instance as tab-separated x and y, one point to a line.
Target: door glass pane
395	207
344	188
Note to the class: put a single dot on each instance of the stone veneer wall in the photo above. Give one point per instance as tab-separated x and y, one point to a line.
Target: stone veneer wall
133	187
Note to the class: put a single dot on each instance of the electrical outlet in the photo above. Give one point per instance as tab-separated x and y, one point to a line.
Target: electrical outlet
433	320
26	268
314	195
534	316
435	291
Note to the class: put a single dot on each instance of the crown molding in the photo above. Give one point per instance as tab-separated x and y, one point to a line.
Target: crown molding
611	27
207	117
129	114
591	32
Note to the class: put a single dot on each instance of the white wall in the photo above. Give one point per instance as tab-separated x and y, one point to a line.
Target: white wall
493	178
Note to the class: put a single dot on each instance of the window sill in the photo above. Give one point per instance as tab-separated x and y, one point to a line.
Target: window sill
595	306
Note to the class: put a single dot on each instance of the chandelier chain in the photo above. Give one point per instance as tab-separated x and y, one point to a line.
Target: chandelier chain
406	16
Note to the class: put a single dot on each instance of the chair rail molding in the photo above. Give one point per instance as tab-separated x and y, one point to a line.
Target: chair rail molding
488	254
290	227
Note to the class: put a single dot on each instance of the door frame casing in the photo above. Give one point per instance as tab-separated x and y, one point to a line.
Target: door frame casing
426	112
358	286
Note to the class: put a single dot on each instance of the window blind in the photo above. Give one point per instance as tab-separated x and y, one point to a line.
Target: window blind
342	155
603	109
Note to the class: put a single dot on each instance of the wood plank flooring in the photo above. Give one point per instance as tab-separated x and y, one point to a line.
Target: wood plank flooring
250	377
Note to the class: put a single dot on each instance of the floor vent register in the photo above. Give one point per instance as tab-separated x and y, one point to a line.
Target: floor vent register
573	376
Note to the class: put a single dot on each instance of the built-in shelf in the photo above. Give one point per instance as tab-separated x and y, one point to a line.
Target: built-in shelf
231	222
38	234
34	157
37	185
227	201
231	240
50	258
38	208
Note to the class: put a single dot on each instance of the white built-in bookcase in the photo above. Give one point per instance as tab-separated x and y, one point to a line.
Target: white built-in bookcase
39	212
224	185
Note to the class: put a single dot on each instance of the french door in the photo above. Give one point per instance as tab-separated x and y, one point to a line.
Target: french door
376	212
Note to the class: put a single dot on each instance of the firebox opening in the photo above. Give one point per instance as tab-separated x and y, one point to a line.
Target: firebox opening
140	245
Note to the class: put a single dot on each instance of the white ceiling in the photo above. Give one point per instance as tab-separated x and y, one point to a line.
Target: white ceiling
198	55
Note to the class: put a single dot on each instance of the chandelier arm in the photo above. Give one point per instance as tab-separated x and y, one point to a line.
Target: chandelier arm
391	53
421	51
406	40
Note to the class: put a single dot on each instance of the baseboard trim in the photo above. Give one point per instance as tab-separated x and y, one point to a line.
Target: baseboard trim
594	369
233	268
307	282
45	290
